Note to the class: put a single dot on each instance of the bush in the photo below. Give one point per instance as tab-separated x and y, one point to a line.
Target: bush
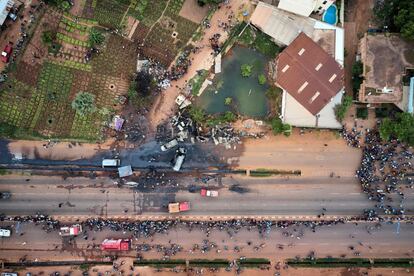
197	114
262	79
362	113
228	101
48	37
279	127
84	103
96	37
341	109
246	70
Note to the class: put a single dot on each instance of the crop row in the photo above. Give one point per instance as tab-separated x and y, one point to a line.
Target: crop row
74	25
64	38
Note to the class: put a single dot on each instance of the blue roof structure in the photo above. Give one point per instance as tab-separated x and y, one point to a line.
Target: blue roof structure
411	96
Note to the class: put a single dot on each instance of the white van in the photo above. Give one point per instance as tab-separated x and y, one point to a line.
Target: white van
5	233
110	163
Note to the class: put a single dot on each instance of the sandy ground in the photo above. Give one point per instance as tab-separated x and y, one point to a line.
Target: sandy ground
59	151
148	271
164	106
192	11
315	153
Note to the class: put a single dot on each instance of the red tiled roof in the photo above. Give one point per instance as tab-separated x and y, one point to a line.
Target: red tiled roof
309	74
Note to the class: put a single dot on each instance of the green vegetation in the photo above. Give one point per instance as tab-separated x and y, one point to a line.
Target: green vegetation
204	2
259	41
262	79
70	40
246	70
261	172
402	128
342	109
362	113
228	101
199	116
279	127
397	15
48	37
3	171
61	4
197	81
352	262
84	103
96	37
357	71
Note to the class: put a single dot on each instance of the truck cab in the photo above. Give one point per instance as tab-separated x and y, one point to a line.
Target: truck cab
178	207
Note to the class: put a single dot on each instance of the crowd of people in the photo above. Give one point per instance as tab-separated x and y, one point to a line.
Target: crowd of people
384	171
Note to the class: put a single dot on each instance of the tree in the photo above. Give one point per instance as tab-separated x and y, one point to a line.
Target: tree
397	16
96	37
84	103
197	114
401	127
229	116
246	70
143	83
48	37
341	109
228	101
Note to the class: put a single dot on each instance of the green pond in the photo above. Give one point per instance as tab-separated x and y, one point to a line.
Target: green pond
248	96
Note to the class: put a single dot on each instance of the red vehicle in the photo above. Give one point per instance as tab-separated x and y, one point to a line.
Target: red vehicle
209	193
5	55
116	245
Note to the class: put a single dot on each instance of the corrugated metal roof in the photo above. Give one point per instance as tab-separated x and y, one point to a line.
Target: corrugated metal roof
5	6
282	26
312	88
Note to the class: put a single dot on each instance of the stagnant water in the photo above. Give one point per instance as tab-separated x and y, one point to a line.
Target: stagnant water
248	96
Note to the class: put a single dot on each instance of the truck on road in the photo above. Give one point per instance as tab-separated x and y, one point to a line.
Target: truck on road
116	245
73	230
178	207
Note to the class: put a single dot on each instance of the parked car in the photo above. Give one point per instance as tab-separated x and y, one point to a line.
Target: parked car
9	274
5	55
5	233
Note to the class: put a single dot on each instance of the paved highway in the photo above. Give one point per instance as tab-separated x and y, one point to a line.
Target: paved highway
294	196
386	241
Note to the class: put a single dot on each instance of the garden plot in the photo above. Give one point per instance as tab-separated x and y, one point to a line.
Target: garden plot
27	73
109	13
18	103
107	89
57	114
118	58
36	50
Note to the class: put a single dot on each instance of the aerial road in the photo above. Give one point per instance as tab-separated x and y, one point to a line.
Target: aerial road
276	196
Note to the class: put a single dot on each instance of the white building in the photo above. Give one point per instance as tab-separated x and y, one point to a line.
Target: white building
305	7
5	7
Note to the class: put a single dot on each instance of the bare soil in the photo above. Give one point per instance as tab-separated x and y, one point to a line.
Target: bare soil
192	11
358	19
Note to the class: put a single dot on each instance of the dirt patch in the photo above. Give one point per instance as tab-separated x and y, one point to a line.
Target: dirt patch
27	73
358	19
192	11
77	8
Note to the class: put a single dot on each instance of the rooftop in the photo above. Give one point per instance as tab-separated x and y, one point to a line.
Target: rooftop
385	58
309	74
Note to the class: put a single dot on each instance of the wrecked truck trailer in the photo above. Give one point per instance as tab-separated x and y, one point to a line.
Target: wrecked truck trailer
169	145
179	159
